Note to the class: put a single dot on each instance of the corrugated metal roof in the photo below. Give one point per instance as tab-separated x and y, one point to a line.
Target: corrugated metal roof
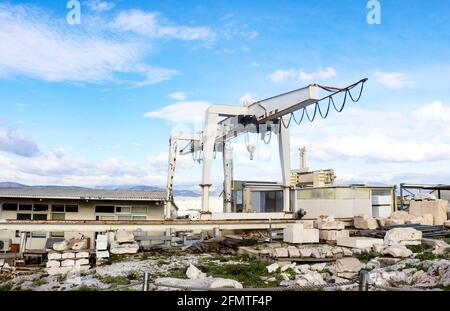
83	194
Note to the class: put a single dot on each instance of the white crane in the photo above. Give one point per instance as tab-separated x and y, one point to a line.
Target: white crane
224	122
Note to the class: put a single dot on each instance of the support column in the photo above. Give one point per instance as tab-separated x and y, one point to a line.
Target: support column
285	161
209	139
170	175
228	175
23	243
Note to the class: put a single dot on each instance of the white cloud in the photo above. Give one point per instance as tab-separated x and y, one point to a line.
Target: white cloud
301	75
35	44
151	24
180	96
13	141
396	80
189	112
435	112
99	6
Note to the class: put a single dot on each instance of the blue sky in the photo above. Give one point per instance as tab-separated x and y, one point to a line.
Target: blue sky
94	104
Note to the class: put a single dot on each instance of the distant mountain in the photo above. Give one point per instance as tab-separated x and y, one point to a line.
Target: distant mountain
181	192
7	184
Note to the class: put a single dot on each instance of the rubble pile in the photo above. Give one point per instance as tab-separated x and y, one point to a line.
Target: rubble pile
330	229
69	256
5	267
124	243
197	279
412	272
318	252
225	245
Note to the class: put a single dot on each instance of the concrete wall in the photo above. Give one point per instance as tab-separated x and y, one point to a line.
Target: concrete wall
86	211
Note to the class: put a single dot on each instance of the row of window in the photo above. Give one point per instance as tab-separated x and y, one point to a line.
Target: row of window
68	208
41	234
111	209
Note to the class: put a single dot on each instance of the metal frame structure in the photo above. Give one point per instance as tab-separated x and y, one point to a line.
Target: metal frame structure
224	122
431	187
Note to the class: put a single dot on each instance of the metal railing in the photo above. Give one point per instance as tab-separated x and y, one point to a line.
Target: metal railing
362	282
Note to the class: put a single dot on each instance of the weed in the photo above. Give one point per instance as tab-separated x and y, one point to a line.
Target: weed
162	262
431	256
366	256
113	280
133	275
62	278
417	248
39	281
86	288
6	287
249	274
179	273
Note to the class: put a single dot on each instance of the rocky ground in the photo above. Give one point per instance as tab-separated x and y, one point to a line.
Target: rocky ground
424	271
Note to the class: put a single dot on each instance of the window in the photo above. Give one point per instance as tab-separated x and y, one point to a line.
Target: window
106	218
58	216
104	209
57	208
25	207
10	206
40	207
39	234
21	216
139	217
57	234
72	208
39	216
123	209
128	217
139	209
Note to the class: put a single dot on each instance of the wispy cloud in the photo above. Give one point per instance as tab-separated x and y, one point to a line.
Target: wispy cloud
180	96
34	44
189	112
100	6
395	80
153	25
282	75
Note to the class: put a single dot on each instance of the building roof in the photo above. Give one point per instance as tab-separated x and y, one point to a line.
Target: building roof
83	194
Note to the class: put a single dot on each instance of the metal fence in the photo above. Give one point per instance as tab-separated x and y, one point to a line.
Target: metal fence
362	282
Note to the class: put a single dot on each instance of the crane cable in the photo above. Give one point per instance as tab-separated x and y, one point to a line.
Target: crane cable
324	115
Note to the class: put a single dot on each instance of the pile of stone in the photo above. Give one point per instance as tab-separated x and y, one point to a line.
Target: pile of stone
330	229
424	205
197	279
316	274
5	267
348	268
413	272
395	241
101	249
402	217
292	253
68	256
124	243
